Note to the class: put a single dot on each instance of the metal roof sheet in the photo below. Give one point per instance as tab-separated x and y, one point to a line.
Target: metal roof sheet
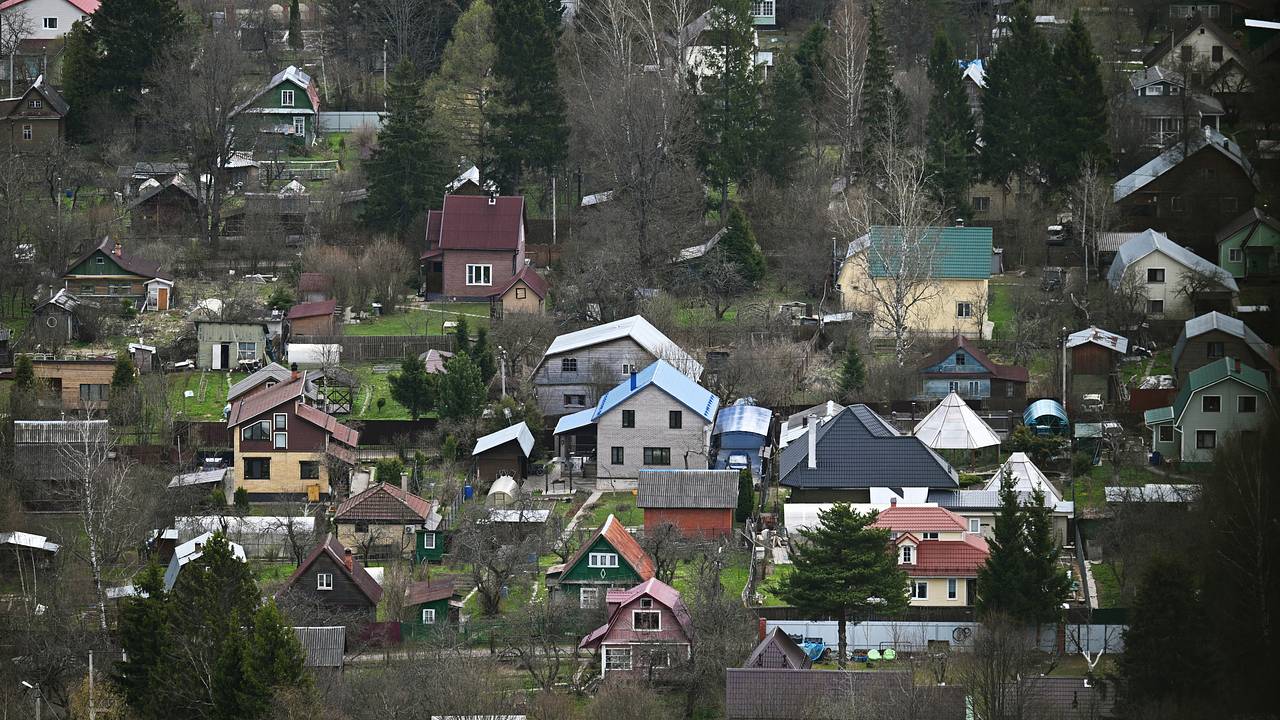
28	540
702	489
481	222
671	381
1098	336
580	419
858	449
919	518
1169	159
740	417
638	329
1043	408
518	432
1149	241
1027	477
322	646
959	252
1235	327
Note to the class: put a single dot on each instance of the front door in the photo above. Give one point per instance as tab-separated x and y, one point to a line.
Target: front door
162	303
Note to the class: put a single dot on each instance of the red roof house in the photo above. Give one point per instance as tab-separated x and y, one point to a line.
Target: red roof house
377	520
961	367
525	292
935	549
475	245
649	631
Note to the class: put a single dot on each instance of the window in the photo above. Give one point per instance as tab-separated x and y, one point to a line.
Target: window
658	658
1175	203
657	456
953	386
299	125
907	554
1166	433
575	400
260	430
919	590
602	560
1155	89
646	603
617	658
1155	275
1211	404
648	620
324	581
280	441
520	293
362	526
36	103
1247	404
1215	53
675	419
93	393
952	590
247	351
281	421
428	541
930	536
50	23
119	289
1188	53
628	368
960	358
1216	349
1206	439
1008	389
26	132
309	470
974	385
588	597
100	260
1235	255
479	274
981	203
569	365
628	418
428	616
964	309
975	525
1228	204
257	468
286	98
762	8
1155	307
617	456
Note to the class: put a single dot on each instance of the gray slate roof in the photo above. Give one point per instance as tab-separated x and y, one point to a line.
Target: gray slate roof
766	694
323	645
702	489
858	449
1150	241
274	371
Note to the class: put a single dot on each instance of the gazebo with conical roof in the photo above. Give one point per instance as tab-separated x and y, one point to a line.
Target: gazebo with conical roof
953	425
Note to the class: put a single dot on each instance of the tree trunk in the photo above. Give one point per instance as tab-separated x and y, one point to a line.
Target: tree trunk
843	644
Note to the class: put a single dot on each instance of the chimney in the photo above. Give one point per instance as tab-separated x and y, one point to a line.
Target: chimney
893	501
813	442
118	250
633	379
493	198
294	371
349	560
959	222
1237	366
762	629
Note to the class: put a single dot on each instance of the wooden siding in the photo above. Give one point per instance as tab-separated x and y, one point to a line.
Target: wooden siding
68	375
600	367
1195	354
504	459
622	576
345	595
422	553
1092	359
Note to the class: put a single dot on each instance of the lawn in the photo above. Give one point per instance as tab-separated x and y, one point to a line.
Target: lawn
621	504
775	575
17	323
1108	586
1000	310
209	393
1090	490
733	577
375	387
423	322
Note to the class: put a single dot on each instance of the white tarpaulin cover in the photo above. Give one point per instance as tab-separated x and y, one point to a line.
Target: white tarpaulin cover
954	426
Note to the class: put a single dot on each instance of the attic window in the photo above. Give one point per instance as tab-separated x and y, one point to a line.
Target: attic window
36	103
286	98
960	358
50	23
646	603
99	260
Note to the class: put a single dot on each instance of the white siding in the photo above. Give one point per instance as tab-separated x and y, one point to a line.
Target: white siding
37	10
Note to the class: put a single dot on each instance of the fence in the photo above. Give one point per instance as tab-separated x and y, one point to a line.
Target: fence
301	169
347	121
919	636
361	348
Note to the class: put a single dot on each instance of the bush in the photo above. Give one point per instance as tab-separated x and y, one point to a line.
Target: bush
1081	464
242	500
971	479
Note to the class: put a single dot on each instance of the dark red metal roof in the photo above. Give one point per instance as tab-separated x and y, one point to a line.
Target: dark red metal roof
384	502
1012	373
470	222
358	575
536	282
312	309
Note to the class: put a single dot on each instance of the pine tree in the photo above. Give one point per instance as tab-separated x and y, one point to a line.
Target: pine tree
783	141
143	637
24	373
530	127
405	173
295	25
1002	579
1161	667
738	245
853	373
1047	584
461	389
482	354
729	102
811	58
880	100
1016	116
845	569
949	132
462	336
413	387
462	95
122	376
1079	103
128	37
274	657
746	496
80	84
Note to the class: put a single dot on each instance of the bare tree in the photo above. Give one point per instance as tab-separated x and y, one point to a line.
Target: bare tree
496	560
723	635
998	670
541	637
385	268
15	26
842	77
668	548
1092	210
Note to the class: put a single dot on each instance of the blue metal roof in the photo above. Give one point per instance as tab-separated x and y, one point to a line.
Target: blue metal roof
1043	408
744	418
671	381
579	419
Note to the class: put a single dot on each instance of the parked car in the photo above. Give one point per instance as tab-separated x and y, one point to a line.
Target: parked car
737	461
1091	402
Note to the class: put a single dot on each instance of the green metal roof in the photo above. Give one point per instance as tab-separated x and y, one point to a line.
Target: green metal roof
961	252
1216	371
1158	416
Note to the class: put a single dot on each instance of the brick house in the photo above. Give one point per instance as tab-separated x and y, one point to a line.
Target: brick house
475	245
33	118
699	503
385	521
649	631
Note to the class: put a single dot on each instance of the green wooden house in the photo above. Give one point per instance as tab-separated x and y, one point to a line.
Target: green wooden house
610	559
289	105
1247	245
428	607
429	545
107	274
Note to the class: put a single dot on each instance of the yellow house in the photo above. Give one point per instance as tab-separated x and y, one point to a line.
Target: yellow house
937	552
940	276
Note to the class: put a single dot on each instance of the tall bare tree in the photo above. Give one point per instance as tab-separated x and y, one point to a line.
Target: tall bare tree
15	26
842	75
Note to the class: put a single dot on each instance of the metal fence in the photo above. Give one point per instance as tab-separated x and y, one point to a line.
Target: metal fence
349	120
301	169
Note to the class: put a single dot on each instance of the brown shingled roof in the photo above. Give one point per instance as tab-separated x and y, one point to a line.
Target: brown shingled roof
470	222
312	309
1012	373
330	424
384	502
536	282
428	591
357	574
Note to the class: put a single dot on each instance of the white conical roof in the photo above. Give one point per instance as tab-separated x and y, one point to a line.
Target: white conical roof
954	426
1027	477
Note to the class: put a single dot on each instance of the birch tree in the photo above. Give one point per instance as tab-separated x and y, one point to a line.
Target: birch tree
842	76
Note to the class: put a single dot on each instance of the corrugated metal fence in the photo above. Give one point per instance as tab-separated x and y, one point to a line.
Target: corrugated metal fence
359	348
348	121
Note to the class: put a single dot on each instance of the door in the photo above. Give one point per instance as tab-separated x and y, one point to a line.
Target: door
226	355
215	356
163	302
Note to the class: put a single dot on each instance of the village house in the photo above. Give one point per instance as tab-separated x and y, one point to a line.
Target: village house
648	632
36	117
697	503
230	345
578	367
263	378
611	558
978	507
1206	52
165	207
82	383
332	578
1213	336
313	318
190	550
1247	246
938	553
1163	108
778	651
285	449
961	367
503	453
106	274
525	292
475	246
41	477
1172	282
50	19
758	693
956	261
657	418
287	106
385	521
1092	357
1224	398
429	606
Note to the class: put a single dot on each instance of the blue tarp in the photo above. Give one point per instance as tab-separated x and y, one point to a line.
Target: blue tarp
815	650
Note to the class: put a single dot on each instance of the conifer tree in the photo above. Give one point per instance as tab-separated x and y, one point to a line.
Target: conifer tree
1079	116
530	128
462	94
79	76
729	102
782	143
461	336
811	59
739	246
853	373
880	101
24	374
413	387
1047	583
122	376
1016	115
1160	666
746	496
462	390
295	25
405	173
1001	579
482	354
949	131
129	36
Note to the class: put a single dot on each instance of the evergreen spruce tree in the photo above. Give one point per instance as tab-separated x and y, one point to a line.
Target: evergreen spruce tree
80	84
1161	667
462	390
949	131
143	638
128	37
811	57
405	173
1047	584
24	374
783	141
729	102
845	569
274	657
880	101
1079	103
853	373
482	354
739	246
1016	114
1002	579
295	25
122	375
413	387
531	132
462	336
746	496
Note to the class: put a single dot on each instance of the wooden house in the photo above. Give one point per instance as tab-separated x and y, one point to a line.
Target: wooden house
525	292
288	105
1222	399
333	578
698	503
1092	357
230	345
314	287
778	650
475	245
609	559
165	207
55	322
1213	336
385	521
649	632
429	606
36	117
106	274
313	318
1248	245
962	368
503	453
83	383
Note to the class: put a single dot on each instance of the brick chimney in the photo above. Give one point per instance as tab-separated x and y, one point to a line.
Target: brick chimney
893	502
294	371
349	560
118	250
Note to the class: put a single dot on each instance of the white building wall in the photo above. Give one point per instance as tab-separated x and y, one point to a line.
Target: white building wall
38	10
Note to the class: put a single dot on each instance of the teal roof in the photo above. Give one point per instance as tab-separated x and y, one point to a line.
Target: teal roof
1217	371
961	252
1042	409
1158	416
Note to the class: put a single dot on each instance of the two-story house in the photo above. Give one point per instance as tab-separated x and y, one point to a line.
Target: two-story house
938	553
287	105
1225	397
106	274
580	366
962	368
475	246
1159	101
657	418
1213	336
649	632
1207	53
1173	282
333	579
284	448
33	118
611	558
1247	246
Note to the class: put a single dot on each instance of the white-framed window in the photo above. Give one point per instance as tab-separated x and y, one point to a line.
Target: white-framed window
974	387
99	260
602	560
658	658
281	421
286	98
1235	255
300	125
762	8
975	525
646	620
1206	439
428	541
907	555
953	386
1155	275
50	23
479	274
588	597
280	440
257	431
36	103
617	657
1211	404
964	309
952	590
919	589
26	132
1166	433
324	581
1247	404
247	351
428	616
930	536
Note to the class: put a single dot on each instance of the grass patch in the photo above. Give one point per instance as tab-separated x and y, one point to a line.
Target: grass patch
1090	489
620	504
733	576
375	387
17	318
774	575
423	322
1000	310
1107	585
206	403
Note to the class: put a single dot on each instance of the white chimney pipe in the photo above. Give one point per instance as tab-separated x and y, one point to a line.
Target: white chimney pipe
813	442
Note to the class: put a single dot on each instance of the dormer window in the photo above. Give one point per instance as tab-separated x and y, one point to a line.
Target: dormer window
960	358
907	555
286	98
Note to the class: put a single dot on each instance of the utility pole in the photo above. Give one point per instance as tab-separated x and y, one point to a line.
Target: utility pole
502	364
384	75
553	208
